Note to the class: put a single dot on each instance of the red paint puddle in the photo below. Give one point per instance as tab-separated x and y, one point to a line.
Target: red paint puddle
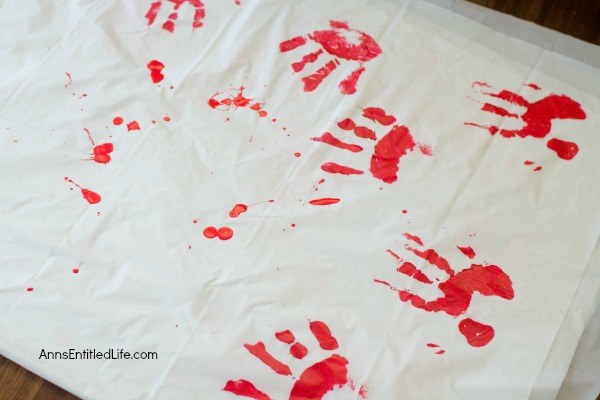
336	44
236	100
133	126
242	208
76	270
169	25
476	333
467	251
537	118
458	289
329	139
117	121
156	68
102	151
324	202
88	195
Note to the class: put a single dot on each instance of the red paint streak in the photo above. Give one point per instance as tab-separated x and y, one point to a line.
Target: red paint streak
117	121
246	389
483	84
133	126
297	154
320	378
433	258
30	289
156	68
259	351
537	169
412	271
299	351
313	81
236	100
378	115
334	168
440	352
432	345
396	256
324	202
331	140
348	85
225	233
498	111
88	195
210	232
467	251
347	124
237	210
291	44
476	333
533	86
563	149
309	58
388	151
285	337
365	133
323	335
528	163
414	238
321	181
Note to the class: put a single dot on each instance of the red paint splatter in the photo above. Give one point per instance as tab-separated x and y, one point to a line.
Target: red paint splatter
210	232
378	115
563	149
236	100
156	68
476	333
425	149
102	151
323	335
30	289
467	251
324	202
246	389
331	140
259	351
88	195
388	151
335	42
225	233
298	350
117	121
321	181
285	336
537	118
169	25
133	126
334	168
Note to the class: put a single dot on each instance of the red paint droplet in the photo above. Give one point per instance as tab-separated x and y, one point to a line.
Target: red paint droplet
167	118
563	149
297	154
467	251
324	201
155	68
29	289
225	233
426	149
528	163
133	126
237	210
321	181
476	333
91	197
210	232
195	221
404	211
293	225
117	121
539	168
75	270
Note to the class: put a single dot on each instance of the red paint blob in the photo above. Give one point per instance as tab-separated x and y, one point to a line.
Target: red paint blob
528	163
102	153
563	149
404	211
225	233
365	133
539	168
432	345
210	232
133	126
347	124
324	202
476	333
117	121
237	210
155	68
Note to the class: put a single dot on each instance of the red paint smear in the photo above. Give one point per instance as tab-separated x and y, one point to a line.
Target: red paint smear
414	238
329	139
210	232
285	336
365	133
476	333
155	68
237	210
334	168
246	389
378	115
323	335
347	124
432	345
313	81
537	169
324	202
533	86
528	163
299	351
320	378
30	289
309	58
297	154
563	149
409	269
88	195
467	251
259	351
225	233
133	126
291	44
388	151
348	85
433	258
117	121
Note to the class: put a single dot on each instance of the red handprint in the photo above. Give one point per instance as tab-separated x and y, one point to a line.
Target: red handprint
458	289
387	152
341	42
537	118
314	382
169	25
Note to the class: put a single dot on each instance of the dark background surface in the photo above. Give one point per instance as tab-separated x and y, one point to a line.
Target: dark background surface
578	18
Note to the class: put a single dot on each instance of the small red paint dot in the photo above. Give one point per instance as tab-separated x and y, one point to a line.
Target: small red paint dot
189	247
75	270
29	289
210	232
195	221
293	225
297	154
404	211
167	118
118	121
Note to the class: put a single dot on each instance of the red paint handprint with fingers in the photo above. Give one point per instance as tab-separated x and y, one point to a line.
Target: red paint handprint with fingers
341	42
169	25
314	382
457	289
387	152
536	119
